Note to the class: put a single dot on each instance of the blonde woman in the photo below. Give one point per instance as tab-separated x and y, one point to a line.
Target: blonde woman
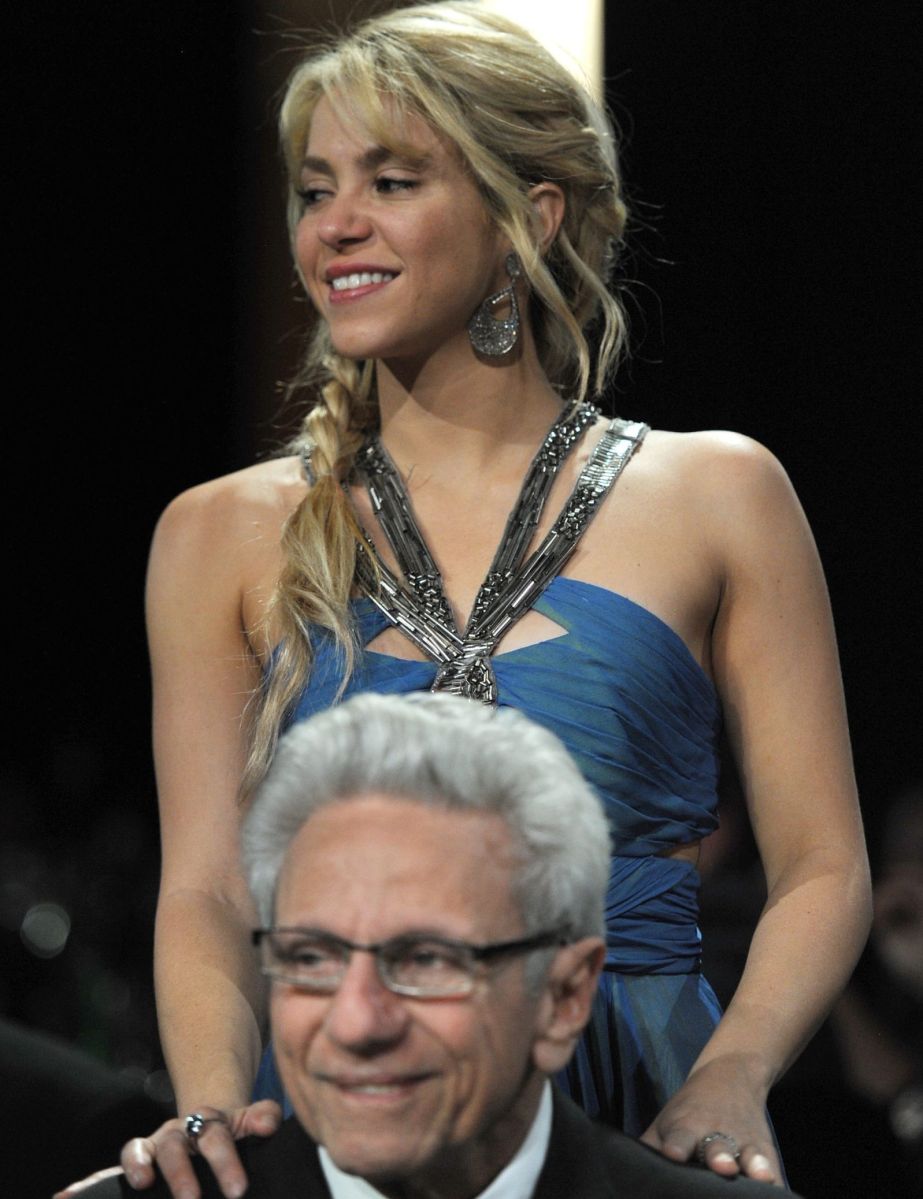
455	212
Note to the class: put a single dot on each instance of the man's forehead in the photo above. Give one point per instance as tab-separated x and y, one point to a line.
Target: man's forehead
388	850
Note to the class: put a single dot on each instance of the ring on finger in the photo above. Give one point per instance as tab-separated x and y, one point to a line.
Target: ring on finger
732	1145
194	1126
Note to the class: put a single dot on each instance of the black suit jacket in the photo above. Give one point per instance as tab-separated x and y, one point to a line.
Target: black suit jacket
584	1161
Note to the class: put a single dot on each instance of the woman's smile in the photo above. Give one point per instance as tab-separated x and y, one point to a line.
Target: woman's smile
351	281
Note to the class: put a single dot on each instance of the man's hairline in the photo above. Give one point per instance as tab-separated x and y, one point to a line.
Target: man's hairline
431	799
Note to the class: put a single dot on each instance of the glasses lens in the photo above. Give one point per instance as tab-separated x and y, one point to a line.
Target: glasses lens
306	959
428	966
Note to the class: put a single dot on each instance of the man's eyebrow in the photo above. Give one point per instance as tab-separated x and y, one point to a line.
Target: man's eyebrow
424	932
373	157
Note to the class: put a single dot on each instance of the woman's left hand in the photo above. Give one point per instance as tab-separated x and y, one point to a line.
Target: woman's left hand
719	1119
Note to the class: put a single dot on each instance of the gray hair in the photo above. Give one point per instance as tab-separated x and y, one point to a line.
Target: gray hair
450	753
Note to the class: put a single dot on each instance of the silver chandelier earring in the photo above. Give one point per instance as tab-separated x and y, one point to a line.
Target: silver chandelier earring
492	337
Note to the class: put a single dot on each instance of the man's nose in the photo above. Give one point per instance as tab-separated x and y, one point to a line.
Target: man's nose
364	1016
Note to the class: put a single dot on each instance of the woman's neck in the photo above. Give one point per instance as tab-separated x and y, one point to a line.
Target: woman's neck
469	413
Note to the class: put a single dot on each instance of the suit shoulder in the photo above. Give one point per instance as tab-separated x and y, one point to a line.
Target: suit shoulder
588	1160
277	1166
641	1171
284	1164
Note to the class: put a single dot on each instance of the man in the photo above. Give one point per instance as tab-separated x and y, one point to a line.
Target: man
431	877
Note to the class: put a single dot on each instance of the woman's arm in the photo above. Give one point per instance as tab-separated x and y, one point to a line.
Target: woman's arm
214	549
204	674
775	664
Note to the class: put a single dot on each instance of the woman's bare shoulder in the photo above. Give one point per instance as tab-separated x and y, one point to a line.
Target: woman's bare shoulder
709	447
736	494
251	501
713	463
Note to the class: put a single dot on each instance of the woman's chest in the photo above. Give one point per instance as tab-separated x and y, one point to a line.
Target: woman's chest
643	542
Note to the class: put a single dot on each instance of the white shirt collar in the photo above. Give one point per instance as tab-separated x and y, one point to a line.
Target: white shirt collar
516	1180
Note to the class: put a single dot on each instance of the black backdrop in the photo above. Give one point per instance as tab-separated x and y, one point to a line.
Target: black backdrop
769	154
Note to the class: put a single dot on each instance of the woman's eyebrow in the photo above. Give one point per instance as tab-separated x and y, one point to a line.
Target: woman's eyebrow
373	157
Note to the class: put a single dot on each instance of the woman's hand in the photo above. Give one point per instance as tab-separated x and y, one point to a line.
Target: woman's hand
170	1148
718	1098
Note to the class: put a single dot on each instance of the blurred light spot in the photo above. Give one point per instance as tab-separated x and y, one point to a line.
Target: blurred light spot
45	929
136	1075
157	1086
907	1115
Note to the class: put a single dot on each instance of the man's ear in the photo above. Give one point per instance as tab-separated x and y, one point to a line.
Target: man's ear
548	205
566	1001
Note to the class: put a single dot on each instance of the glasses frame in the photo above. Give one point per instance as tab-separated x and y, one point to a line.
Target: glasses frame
481	954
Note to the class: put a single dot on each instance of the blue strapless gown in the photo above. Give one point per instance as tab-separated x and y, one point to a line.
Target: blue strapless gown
620	688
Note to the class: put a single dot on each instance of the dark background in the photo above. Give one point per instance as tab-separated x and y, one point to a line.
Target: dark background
149	315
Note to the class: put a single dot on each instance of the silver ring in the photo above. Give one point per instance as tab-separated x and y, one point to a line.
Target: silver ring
194	1126
716	1136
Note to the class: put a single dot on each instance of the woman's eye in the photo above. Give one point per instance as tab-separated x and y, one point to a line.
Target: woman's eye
388	186
309	196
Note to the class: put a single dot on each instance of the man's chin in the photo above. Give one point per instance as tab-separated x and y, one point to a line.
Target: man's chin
380	1164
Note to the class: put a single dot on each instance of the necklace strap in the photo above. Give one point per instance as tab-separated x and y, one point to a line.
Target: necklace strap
391	506
606	463
527	512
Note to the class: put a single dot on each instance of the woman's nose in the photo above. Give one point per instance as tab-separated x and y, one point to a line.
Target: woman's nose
343	221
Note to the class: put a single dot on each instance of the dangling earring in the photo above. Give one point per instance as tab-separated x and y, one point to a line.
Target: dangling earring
491	337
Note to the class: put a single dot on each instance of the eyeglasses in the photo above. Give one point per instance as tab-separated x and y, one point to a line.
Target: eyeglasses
426	967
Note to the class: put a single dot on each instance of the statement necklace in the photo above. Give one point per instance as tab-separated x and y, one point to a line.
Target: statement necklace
416	602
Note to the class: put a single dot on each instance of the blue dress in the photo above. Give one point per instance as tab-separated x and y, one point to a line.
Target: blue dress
623	692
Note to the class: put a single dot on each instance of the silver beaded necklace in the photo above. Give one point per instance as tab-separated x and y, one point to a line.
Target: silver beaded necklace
416	602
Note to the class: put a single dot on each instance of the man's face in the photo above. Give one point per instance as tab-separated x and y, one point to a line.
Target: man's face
400	1088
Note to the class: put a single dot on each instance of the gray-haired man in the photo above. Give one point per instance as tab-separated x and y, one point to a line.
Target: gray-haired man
431	877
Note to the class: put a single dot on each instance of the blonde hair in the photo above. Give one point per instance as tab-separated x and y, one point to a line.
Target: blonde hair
516	118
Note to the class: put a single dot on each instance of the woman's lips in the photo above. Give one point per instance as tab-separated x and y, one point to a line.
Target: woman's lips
353	286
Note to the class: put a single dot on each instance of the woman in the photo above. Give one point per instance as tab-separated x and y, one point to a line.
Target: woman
455	210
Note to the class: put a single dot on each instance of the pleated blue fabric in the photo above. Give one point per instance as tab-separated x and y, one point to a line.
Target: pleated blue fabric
623	692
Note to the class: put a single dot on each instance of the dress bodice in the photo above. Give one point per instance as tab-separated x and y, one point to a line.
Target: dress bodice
618	686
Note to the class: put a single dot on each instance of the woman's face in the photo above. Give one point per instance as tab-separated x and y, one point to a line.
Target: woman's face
396	253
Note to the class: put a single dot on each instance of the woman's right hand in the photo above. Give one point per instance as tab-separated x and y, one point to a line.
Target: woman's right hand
168	1151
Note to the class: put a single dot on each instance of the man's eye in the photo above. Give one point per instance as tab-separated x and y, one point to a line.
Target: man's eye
431	957
307	955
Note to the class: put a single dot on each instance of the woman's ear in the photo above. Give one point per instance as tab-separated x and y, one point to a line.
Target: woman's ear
548	205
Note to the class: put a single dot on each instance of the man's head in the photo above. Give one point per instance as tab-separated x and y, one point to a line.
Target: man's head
430	825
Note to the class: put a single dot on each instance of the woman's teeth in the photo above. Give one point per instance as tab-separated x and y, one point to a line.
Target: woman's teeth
346	282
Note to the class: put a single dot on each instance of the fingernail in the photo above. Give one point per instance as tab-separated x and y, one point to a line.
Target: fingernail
758	1162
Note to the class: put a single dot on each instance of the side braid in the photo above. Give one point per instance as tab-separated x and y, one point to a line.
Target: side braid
319	542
